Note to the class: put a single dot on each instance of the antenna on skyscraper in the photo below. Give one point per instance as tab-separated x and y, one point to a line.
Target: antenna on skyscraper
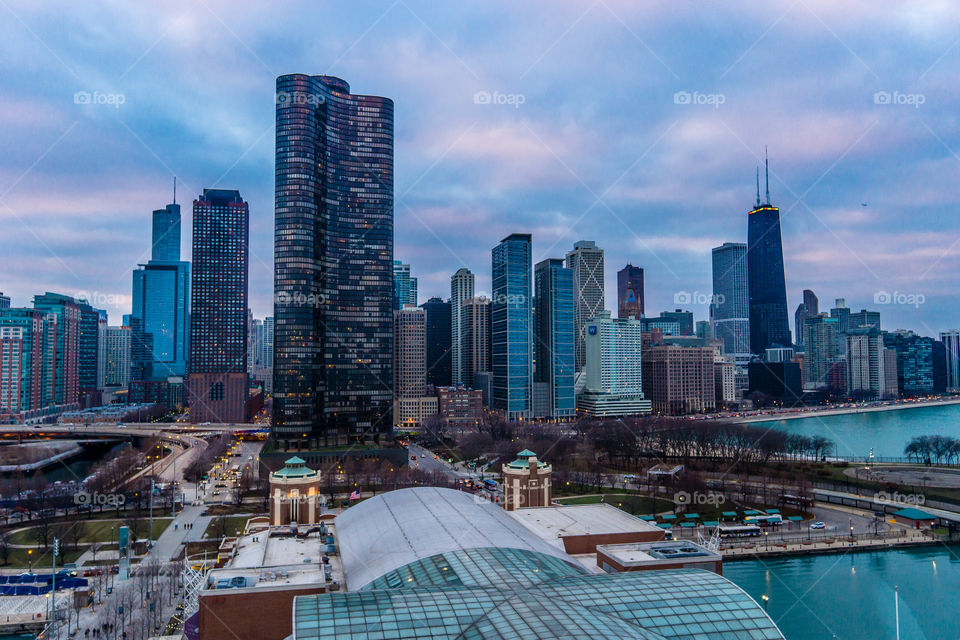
758	188
766	172
174	189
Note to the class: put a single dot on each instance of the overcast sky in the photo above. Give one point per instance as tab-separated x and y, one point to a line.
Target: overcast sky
635	124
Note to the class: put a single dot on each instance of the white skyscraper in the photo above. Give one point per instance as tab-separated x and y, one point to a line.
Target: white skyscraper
586	262
461	290
614	386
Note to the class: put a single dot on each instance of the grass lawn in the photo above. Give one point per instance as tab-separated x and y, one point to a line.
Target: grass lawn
41	559
631	503
234	524
94	530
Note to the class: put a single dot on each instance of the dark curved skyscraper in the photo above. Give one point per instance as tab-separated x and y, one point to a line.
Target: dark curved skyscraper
333	282
765	277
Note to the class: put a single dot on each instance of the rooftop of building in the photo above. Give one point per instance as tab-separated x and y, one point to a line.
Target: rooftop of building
434	563
294	467
637	554
551	524
277	557
649	605
395	529
522	460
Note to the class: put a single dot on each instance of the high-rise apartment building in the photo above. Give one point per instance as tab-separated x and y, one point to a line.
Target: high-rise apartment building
820	348
116	365
217	384
554	336
730	306
61	383
4	301
268	342
630	292
586	262
866	360
462	284
22	342
475	344
679	380
613	372
404	285
915	361
809	308
951	343
511	318
411	402
333	276
410	352
765	275
161	298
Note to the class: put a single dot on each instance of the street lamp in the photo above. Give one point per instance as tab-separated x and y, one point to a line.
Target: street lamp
765	599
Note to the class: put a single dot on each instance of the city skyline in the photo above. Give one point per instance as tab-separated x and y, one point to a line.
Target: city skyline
517	163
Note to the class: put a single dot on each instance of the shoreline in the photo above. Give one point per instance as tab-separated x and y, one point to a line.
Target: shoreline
839	547
816	413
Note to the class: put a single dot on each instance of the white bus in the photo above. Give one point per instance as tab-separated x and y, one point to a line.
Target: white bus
739	530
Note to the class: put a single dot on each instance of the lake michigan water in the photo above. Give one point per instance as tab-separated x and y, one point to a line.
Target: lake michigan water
851	597
886	432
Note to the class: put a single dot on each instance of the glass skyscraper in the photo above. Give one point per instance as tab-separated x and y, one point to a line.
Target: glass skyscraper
767	285
553	335
333	276
404	286
439	343
512	352
161	295
730	307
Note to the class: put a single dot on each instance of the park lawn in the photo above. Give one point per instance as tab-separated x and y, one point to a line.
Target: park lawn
234	524
94	531
41	559
631	503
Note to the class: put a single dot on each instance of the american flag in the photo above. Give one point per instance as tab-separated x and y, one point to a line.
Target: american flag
355	495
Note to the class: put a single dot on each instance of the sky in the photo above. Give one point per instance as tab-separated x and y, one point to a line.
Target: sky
635	124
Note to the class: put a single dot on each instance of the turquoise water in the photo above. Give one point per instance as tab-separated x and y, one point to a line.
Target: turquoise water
887	432
851	597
